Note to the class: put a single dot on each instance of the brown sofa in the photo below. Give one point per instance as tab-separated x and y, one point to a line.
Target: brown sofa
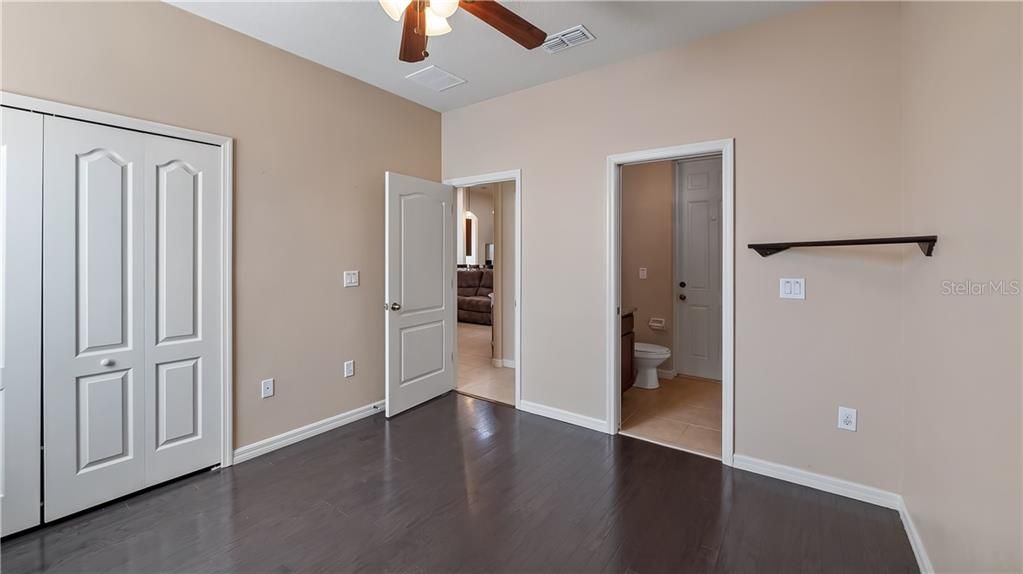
474	289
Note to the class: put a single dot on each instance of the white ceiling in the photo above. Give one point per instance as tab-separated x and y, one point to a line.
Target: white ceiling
358	39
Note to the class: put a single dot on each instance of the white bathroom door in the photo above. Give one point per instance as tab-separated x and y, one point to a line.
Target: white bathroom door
419	262
698	282
93	315
21	241
183	195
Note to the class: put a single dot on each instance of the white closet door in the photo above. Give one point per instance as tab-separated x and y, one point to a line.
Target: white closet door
21	212
93	348
182	245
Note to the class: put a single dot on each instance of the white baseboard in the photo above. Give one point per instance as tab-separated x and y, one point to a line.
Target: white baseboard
563	416
845	488
823	482
282	440
922	559
510	364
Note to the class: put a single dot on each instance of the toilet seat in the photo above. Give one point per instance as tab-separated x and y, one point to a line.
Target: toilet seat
652	351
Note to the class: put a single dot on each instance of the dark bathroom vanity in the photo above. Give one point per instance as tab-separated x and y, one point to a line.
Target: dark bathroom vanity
628	348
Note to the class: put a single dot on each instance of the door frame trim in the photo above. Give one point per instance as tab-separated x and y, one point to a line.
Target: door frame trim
226	145
497	177
724	147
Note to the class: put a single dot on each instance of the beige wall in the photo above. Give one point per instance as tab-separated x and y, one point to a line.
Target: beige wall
781	88
849	120
648	198
963	154
311	149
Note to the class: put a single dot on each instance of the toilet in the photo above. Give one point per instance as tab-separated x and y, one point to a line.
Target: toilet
648	357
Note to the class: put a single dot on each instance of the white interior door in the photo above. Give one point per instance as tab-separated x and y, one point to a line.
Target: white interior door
698	281
93	346
21	240
183	186
420	291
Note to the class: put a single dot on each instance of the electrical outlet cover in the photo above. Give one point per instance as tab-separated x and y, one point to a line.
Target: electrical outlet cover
847	419
349	368
266	389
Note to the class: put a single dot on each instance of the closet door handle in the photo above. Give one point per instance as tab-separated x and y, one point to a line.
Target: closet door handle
107	363
682	284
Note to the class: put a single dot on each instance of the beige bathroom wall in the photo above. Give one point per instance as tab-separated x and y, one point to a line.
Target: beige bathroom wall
311	148
963	154
647	241
812	100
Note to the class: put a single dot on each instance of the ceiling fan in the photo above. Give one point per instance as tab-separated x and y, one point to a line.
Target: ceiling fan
425	18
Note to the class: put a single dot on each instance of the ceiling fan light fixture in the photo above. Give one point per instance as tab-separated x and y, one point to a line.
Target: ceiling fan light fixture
436	25
444	8
395	8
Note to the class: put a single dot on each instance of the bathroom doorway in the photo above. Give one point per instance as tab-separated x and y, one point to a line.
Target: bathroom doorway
486	287
671	248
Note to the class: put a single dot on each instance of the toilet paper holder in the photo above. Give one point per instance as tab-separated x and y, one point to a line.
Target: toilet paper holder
657	323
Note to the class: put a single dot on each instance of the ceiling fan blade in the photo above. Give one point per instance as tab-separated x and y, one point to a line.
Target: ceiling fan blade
505	21
413	33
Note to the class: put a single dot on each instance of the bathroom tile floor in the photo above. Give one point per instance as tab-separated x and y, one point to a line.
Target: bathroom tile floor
477	376
684	413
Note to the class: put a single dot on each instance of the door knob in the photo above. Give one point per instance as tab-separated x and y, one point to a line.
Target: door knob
107	363
682	284
395	306
682	297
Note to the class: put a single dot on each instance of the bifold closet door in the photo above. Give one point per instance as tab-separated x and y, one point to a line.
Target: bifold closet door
183	367
21	198
93	313
131	311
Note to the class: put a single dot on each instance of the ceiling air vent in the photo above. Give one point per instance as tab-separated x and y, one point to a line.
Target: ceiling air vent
435	78
567	39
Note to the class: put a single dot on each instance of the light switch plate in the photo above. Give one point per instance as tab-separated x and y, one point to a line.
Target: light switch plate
792	288
642	272
351	278
266	389
349	369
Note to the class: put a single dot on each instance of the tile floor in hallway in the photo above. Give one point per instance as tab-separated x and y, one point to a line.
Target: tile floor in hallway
477	376
684	413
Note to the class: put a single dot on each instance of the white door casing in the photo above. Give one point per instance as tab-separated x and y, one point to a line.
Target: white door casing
93	348
21	208
182	285
698	267
420	291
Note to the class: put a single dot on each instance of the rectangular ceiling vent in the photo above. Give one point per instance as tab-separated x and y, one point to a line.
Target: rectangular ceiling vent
435	78
567	39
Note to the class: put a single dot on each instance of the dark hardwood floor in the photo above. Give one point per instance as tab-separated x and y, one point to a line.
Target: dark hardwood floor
462	485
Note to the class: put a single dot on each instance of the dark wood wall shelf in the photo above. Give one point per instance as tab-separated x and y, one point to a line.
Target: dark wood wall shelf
926	243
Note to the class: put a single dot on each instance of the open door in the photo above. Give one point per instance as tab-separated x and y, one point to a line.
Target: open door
419	262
